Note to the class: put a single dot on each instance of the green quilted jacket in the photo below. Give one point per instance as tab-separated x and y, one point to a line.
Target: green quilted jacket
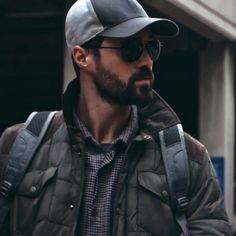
48	199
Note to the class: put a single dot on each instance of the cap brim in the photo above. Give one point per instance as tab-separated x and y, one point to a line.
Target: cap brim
160	27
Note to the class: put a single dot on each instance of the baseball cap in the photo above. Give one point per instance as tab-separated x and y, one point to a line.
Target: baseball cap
112	18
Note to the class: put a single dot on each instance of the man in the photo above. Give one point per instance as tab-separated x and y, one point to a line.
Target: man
99	170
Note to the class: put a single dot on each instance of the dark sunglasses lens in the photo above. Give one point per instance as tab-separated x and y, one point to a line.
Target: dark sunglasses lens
132	50
154	49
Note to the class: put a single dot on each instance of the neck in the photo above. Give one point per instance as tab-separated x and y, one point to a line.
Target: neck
103	120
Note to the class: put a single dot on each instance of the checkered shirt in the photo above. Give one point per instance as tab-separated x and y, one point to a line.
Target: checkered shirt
103	165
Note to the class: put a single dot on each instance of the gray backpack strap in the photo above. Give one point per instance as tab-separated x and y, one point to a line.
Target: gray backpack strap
21	153
177	171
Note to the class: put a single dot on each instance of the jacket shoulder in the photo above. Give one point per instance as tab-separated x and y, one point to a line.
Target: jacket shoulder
196	151
8	137
6	141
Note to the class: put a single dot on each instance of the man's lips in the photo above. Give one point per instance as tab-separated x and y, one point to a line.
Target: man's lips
143	75
143	78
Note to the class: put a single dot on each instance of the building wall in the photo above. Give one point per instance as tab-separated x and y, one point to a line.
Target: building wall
212	18
225	11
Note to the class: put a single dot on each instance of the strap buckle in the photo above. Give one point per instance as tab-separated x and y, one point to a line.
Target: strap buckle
182	203
5	189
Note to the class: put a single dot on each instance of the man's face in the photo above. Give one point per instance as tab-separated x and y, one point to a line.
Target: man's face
120	82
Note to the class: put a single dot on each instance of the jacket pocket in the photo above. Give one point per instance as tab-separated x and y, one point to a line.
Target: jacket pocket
32	201
154	213
35	181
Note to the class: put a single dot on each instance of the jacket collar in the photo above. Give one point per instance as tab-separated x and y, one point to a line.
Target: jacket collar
153	117
157	115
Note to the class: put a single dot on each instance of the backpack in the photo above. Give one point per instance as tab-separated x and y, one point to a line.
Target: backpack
28	140
175	160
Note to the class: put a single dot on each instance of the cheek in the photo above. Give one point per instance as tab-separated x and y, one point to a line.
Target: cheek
112	60
114	63
123	69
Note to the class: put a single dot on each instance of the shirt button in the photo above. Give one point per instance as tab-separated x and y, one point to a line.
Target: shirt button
33	189
72	206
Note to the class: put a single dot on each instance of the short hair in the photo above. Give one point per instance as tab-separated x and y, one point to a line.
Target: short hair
92	44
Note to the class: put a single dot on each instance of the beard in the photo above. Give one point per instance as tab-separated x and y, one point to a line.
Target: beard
116	92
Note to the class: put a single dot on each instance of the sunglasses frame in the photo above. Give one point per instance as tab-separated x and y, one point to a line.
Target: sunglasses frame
142	43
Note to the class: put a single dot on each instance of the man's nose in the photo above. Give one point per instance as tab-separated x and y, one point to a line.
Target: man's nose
145	60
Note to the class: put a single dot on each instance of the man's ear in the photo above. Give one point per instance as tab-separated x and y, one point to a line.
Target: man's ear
80	56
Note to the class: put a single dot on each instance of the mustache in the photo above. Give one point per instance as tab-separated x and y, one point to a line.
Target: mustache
142	73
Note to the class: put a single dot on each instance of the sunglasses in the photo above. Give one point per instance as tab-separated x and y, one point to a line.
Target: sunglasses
132	49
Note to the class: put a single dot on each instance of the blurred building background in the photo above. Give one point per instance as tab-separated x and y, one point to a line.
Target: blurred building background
195	73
